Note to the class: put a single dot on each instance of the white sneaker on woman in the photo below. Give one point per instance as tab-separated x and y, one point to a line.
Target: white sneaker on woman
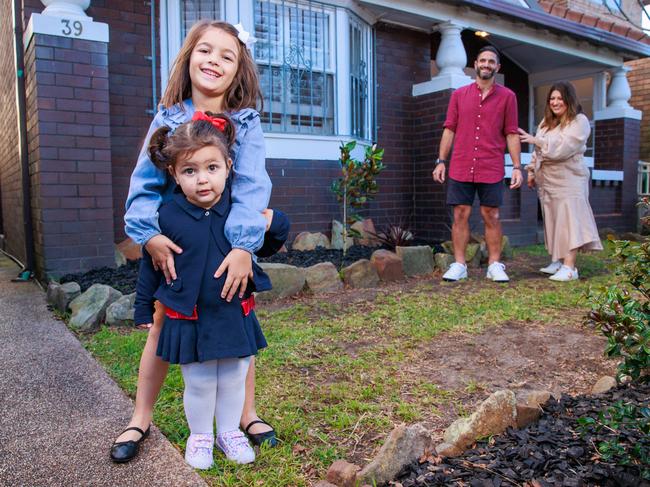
236	447
198	452
552	268
456	272
497	272
565	274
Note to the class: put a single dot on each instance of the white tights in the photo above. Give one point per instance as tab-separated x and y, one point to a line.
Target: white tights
214	390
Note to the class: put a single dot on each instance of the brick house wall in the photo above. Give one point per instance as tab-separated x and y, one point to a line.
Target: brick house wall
639	79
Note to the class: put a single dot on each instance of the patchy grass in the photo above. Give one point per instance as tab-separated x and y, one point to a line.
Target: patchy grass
334	379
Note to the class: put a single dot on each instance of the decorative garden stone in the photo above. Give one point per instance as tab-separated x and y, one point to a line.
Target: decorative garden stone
360	274
473	255
506	248
324	483
287	280
405	444
310	241
60	295
632	237
443	261
368	233
604	384
323	278
388	265
337	236
448	450
492	417
416	260
343	474
529	406
605	232
120	313
448	247
89	309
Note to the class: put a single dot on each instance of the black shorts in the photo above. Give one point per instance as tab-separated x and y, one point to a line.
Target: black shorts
461	193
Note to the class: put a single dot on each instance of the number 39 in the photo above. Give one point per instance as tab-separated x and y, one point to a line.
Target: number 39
71	28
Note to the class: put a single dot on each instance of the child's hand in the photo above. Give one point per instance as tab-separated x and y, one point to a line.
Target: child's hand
144	326
268	214
239	265
161	250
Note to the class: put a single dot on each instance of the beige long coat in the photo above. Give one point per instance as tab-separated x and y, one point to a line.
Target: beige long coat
562	180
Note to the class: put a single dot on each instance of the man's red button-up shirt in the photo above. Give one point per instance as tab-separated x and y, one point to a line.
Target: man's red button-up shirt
481	125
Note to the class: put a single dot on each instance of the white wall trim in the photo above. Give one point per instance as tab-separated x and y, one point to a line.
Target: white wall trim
601	175
440	83
308	147
610	113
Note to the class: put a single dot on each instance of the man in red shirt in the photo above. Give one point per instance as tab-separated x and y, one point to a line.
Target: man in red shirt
481	122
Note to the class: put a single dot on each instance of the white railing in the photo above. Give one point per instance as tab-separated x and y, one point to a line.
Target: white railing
643	179
596	174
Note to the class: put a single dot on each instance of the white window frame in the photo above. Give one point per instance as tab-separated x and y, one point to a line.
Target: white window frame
288	145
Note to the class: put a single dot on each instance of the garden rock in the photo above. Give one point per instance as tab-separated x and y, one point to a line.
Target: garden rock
529	407
632	237
337	236
448	247
605	232
388	265
416	260
287	280
492	417
343	474
60	295
360	274
443	261
366	229
448	450
473	255
120	313
309	241
323	278
506	248
120	260
324	483
404	445
89	309
603	385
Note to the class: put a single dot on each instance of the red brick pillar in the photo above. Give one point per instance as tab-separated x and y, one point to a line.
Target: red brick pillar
66	67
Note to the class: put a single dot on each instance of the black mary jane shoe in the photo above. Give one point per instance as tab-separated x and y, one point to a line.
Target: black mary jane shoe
125	451
267	438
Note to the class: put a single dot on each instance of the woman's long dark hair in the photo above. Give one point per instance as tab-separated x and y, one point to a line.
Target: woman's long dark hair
573	108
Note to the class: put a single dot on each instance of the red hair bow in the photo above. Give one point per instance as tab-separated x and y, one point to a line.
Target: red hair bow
217	122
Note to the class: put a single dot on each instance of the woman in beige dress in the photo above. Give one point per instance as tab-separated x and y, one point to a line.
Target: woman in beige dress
562	179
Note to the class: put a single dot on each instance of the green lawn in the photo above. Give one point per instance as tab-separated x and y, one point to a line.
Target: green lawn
331	381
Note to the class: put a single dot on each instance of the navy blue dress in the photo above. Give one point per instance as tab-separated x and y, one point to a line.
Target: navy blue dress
221	329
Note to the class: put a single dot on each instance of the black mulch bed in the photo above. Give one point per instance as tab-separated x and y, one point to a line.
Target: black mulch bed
551	452
123	278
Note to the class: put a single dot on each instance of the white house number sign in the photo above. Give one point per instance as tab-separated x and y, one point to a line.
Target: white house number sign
66	27
72	28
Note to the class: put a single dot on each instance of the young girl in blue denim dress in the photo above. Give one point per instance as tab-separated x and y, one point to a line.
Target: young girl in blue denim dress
214	71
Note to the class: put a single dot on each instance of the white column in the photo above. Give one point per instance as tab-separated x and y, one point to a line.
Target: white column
618	96
451	59
69	9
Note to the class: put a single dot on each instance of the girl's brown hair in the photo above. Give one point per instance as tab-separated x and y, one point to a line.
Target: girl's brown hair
244	92
166	148
573	108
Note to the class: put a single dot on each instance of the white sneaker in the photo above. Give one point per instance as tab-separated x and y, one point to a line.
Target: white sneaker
198	452
236	447
565	274
552	268
456	272
497	272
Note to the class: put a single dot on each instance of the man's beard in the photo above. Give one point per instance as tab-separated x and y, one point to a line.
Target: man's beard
483	75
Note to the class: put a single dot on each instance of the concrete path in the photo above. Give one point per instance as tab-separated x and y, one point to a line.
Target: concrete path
59	410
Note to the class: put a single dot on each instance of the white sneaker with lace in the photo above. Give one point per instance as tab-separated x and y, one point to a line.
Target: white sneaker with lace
456	272
236	447
198	452
497	272
565	274
552	268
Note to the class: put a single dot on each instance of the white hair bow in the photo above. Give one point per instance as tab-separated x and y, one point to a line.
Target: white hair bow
245	36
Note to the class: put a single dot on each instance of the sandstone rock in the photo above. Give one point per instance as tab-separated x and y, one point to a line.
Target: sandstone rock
506	248
366	229
605	232
51	290
604	384
416	260
473	255
476	238
492	417
527	414
448	247
360	274
343	474
388	265
310	241
323	278
129	249
443	261
447	450
287	280
120	313
89	309
60	295
324	483
632	237
337	236
404	445
534	398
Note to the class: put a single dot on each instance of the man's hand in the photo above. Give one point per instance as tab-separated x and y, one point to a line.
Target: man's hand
239	265
516	179
162	251
439	173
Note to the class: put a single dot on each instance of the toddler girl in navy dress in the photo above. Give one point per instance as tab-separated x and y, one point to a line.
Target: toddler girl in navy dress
211	338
